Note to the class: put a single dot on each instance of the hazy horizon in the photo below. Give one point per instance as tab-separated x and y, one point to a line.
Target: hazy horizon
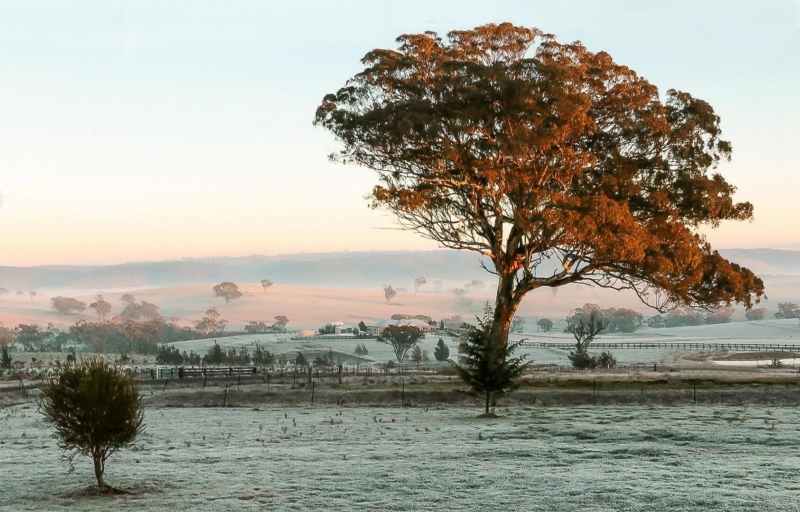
163	131
278	255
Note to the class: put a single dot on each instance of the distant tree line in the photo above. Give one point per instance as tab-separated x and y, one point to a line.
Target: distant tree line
683	317
620	320
215	355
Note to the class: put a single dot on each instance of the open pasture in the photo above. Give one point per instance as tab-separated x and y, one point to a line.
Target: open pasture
361	458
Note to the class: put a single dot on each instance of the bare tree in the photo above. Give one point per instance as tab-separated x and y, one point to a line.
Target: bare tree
266	283
228	291
418	282
32	295
437	283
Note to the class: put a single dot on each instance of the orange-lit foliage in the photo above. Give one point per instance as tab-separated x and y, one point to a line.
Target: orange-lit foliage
503	141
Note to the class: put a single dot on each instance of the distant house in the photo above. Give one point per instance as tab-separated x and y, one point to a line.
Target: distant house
338	327
378	327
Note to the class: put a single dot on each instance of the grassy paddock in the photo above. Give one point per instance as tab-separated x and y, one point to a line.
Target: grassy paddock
439	458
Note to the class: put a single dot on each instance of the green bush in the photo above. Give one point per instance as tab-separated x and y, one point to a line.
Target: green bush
95	409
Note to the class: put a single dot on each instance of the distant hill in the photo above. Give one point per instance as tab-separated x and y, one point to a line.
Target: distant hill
355	270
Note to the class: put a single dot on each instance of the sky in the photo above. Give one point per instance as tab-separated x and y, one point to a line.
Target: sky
149	130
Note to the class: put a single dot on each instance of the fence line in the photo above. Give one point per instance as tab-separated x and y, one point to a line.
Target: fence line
739	347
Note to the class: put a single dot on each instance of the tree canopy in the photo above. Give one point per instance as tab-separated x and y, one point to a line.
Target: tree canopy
228	291
65	305
211	323
401	338
101	306
504	141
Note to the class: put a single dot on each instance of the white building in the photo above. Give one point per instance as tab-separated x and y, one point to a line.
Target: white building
378	327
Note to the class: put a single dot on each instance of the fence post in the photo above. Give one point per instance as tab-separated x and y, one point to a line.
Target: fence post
594	393
165	386
204	382
403	394
312	393
238	383
225	397
340	374
267	381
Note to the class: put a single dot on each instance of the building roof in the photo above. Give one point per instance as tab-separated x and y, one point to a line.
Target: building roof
404	321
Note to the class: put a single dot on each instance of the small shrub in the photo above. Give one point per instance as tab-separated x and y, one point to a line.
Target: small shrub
96	410
606	360
583	361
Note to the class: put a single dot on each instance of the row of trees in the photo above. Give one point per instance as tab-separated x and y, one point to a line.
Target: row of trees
134	333
215	355
685	316
616	320
31	294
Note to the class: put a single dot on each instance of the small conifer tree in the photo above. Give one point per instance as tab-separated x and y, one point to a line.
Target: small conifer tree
5	358
416	355
442	351
486	364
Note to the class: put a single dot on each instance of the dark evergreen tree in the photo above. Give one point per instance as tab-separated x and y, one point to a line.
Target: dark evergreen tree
442	351
486	364
5	358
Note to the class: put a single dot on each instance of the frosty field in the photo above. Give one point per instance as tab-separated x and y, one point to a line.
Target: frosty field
580	458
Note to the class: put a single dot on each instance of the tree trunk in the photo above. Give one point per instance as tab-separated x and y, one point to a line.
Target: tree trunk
99	468
504	308
488	394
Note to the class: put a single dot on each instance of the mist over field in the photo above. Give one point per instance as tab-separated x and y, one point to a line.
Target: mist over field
343	270
313	289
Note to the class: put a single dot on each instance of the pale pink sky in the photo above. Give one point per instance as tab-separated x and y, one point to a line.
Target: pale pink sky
152	130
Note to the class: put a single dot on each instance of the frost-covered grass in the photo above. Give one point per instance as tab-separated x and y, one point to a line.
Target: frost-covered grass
785	332
583	458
